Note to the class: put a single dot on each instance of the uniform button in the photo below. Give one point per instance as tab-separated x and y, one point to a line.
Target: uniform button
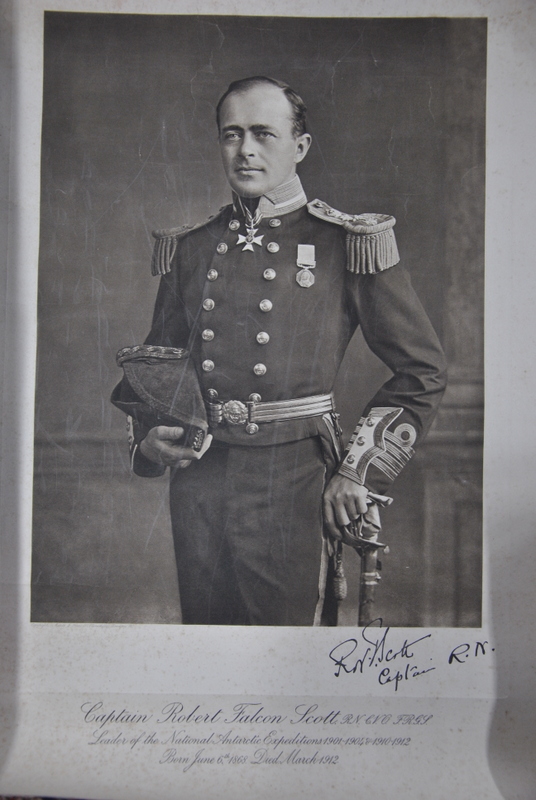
370	422
265	305
269	274
272	247
252	428
263	337
360	441
274	223
222	248
212	274
259	369
208	365
207	335
234	225
255	398
208	304
212	394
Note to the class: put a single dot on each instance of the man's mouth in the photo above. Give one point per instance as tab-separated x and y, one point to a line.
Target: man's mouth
248	170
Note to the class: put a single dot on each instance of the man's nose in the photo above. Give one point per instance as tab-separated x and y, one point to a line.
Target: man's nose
247	146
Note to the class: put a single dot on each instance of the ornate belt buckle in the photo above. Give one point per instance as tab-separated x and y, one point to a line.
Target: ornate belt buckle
235	412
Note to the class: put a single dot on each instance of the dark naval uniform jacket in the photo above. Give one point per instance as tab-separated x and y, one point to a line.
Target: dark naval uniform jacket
254	332
265	306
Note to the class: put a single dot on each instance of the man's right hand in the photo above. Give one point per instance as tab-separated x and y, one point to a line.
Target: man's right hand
162	446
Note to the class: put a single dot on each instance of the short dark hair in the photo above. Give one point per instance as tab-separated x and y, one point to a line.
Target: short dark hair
298	106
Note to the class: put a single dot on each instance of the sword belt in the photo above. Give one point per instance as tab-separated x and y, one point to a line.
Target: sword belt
235	412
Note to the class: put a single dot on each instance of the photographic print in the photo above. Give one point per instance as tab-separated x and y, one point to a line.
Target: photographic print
392	138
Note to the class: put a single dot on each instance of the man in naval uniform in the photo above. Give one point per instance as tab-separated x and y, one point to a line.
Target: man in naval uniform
265	297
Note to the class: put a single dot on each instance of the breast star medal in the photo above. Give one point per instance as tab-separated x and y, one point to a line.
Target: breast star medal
251	238
306	262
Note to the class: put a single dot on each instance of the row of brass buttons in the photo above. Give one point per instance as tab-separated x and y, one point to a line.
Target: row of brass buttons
264	305
208	365
262	337
235	224
268	274
222	248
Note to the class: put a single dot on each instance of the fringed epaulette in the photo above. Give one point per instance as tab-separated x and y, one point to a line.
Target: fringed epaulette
165	246
370	239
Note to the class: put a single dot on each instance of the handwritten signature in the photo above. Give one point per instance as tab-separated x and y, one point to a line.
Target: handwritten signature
374	650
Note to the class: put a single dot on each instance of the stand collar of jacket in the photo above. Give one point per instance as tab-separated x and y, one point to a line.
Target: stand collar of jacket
282	200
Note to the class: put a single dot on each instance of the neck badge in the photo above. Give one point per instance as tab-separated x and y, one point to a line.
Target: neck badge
306	262
251	238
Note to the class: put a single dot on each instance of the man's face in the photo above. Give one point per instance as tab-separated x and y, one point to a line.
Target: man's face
258	148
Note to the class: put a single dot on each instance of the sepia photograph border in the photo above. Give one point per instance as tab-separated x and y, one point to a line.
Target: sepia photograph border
51	669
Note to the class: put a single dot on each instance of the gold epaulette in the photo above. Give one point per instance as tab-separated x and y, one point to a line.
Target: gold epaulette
165	246
370	239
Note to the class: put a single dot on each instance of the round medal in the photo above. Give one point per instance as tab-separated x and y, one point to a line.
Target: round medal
305	278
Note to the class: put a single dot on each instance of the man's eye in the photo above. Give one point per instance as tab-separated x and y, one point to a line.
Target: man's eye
264	134
231	137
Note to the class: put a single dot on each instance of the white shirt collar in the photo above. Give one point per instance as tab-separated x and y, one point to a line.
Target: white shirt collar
283	199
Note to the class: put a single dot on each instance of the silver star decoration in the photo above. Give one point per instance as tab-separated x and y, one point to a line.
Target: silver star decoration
250	239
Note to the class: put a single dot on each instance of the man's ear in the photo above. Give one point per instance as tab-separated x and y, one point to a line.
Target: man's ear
303	143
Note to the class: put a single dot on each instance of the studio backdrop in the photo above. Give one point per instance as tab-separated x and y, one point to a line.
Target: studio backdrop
396	109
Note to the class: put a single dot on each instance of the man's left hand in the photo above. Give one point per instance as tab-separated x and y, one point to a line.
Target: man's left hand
344	501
